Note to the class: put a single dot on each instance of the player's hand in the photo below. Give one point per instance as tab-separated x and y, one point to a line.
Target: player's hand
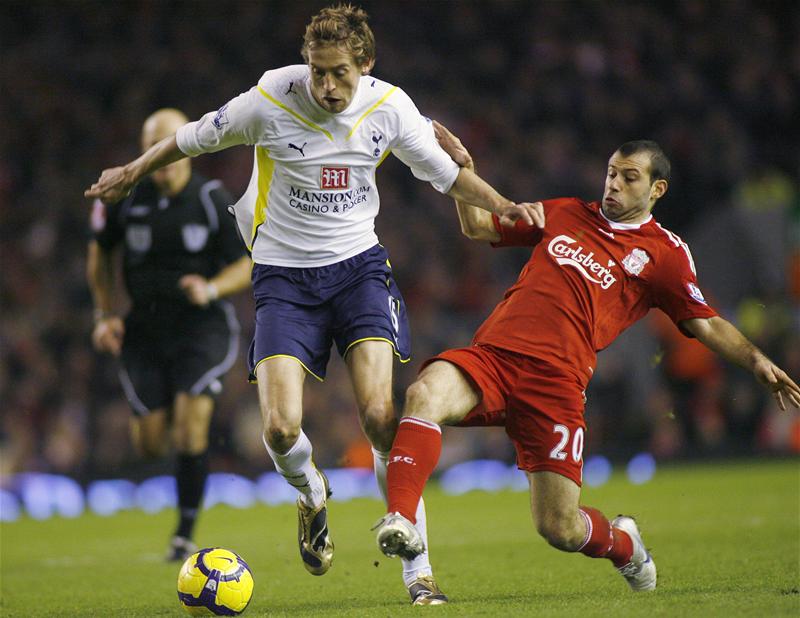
108	334
776	380
112	186
197	289
453	146
532	214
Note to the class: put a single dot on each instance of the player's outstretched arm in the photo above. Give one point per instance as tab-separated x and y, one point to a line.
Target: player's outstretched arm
471	192
116	183
233	278
725	339
476	223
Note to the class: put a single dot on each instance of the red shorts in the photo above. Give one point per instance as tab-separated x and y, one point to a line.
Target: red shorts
541	406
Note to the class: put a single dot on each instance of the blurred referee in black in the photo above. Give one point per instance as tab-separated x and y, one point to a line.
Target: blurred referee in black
181	254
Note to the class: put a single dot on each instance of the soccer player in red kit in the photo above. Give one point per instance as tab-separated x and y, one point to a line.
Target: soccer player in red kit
596	268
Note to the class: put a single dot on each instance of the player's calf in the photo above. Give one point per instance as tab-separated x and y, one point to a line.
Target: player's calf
561	532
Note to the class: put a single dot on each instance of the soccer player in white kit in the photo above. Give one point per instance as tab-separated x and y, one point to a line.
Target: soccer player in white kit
320	131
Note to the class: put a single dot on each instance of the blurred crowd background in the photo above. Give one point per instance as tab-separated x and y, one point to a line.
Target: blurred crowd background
541	92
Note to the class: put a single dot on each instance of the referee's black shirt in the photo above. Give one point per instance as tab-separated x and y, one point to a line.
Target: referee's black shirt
164	238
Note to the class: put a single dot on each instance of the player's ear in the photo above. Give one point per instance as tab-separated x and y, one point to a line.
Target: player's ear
658	189
366	67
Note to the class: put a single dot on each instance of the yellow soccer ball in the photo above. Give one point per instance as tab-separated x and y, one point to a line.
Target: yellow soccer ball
216	582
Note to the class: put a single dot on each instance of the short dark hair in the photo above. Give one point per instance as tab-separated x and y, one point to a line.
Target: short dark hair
344	25
660	166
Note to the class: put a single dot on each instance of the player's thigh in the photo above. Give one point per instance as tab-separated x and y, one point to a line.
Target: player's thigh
554	498
442	394
368	306
545	422
150	433
280	392
471	385
191	418
370	365
291	319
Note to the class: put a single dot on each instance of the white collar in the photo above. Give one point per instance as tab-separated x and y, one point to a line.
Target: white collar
623	226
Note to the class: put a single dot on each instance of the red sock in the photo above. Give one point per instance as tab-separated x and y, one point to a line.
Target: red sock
414	456
603	540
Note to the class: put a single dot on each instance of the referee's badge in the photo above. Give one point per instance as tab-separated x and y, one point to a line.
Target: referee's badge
139	238
195	237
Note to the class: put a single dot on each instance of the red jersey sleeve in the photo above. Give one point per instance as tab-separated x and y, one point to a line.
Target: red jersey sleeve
675	290
521	235
524	235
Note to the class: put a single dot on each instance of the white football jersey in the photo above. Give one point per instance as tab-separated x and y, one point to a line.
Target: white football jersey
312	199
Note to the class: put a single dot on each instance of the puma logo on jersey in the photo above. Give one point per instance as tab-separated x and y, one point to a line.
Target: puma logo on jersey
299	149
565	254
290	90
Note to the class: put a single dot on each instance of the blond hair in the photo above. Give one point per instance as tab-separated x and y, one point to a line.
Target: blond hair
343	25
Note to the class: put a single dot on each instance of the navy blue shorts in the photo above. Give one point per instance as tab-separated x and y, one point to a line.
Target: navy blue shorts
300	312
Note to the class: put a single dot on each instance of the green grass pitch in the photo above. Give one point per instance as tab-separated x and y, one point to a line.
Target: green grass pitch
725	537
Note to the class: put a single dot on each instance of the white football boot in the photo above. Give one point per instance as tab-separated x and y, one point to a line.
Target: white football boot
640	572
397	536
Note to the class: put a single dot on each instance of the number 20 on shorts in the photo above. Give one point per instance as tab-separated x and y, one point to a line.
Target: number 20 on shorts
558	451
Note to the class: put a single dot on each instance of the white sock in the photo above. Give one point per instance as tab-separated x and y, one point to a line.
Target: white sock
297	467
380	461
419	566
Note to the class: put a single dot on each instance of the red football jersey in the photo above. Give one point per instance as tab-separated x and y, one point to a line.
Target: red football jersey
588	279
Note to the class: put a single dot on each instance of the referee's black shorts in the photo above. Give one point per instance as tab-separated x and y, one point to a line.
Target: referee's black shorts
165	355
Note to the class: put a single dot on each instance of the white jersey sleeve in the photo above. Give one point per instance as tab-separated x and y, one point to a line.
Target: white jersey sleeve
242	120
416	146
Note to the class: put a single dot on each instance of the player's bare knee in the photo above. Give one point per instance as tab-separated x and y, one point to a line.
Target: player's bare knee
421	402
281	437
